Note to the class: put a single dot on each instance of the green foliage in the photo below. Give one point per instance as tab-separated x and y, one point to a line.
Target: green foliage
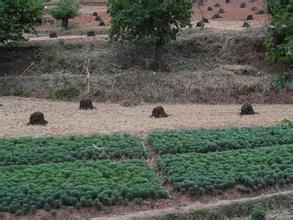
65	10
214	172
149	22
18	17
203	141
258	214
61	149
287	122
66	93
279	41
78	184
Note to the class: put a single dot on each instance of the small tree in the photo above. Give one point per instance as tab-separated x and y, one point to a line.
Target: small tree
18	17
65	10
154	22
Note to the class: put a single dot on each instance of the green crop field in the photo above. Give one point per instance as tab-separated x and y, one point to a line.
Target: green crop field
61	149
203	141
250	169
78	184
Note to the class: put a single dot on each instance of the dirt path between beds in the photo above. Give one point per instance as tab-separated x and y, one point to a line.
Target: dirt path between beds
185	209
65	118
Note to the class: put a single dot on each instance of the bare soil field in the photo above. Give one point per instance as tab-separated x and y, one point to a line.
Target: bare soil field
232	18
66	119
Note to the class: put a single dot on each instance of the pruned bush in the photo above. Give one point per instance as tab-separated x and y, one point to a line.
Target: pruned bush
249	17
102	23
243	5
37	118
86	104
53	35
98	18
91	33
247	109
159	112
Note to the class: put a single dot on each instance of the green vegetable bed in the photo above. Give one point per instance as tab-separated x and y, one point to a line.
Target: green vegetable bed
250	169
62	149
203	141
25	188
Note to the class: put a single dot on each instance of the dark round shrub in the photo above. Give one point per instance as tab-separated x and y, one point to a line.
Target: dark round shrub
210	8
200	24
102	23
246	24
98	18
37	118
53	35
249	17
86	104
247	109
91	33
216	16
243	5
221	11
95	13
159	112
260	12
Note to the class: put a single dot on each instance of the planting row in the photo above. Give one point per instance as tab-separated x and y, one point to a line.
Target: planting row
78	184
248	169
203	141
62	149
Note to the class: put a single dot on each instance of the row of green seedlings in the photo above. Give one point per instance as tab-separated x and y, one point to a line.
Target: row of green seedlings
61	149
24	189
246	170
204	141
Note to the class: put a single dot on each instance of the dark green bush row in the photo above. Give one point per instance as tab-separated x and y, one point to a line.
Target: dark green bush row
203	141
248	169
26	188
62	149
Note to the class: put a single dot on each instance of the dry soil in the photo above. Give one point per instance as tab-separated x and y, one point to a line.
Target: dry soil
65	118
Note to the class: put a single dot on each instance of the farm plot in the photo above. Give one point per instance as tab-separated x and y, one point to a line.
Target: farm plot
247	169
61	149
26	188
203	141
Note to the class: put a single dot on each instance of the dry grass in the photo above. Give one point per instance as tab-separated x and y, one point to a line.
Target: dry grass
66	119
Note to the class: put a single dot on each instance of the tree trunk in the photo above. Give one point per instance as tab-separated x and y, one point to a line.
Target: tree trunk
157	57
65	23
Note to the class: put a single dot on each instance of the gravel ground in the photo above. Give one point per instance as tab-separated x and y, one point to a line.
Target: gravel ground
65	118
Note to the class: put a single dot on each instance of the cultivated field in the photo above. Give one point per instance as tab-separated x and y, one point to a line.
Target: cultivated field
205	158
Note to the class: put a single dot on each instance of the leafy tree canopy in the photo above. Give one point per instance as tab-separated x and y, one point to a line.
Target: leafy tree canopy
18	17
148	21
65	10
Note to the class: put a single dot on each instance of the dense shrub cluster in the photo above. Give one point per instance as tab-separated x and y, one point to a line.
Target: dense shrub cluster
203	141
79	184
249	169
279	41
61	149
